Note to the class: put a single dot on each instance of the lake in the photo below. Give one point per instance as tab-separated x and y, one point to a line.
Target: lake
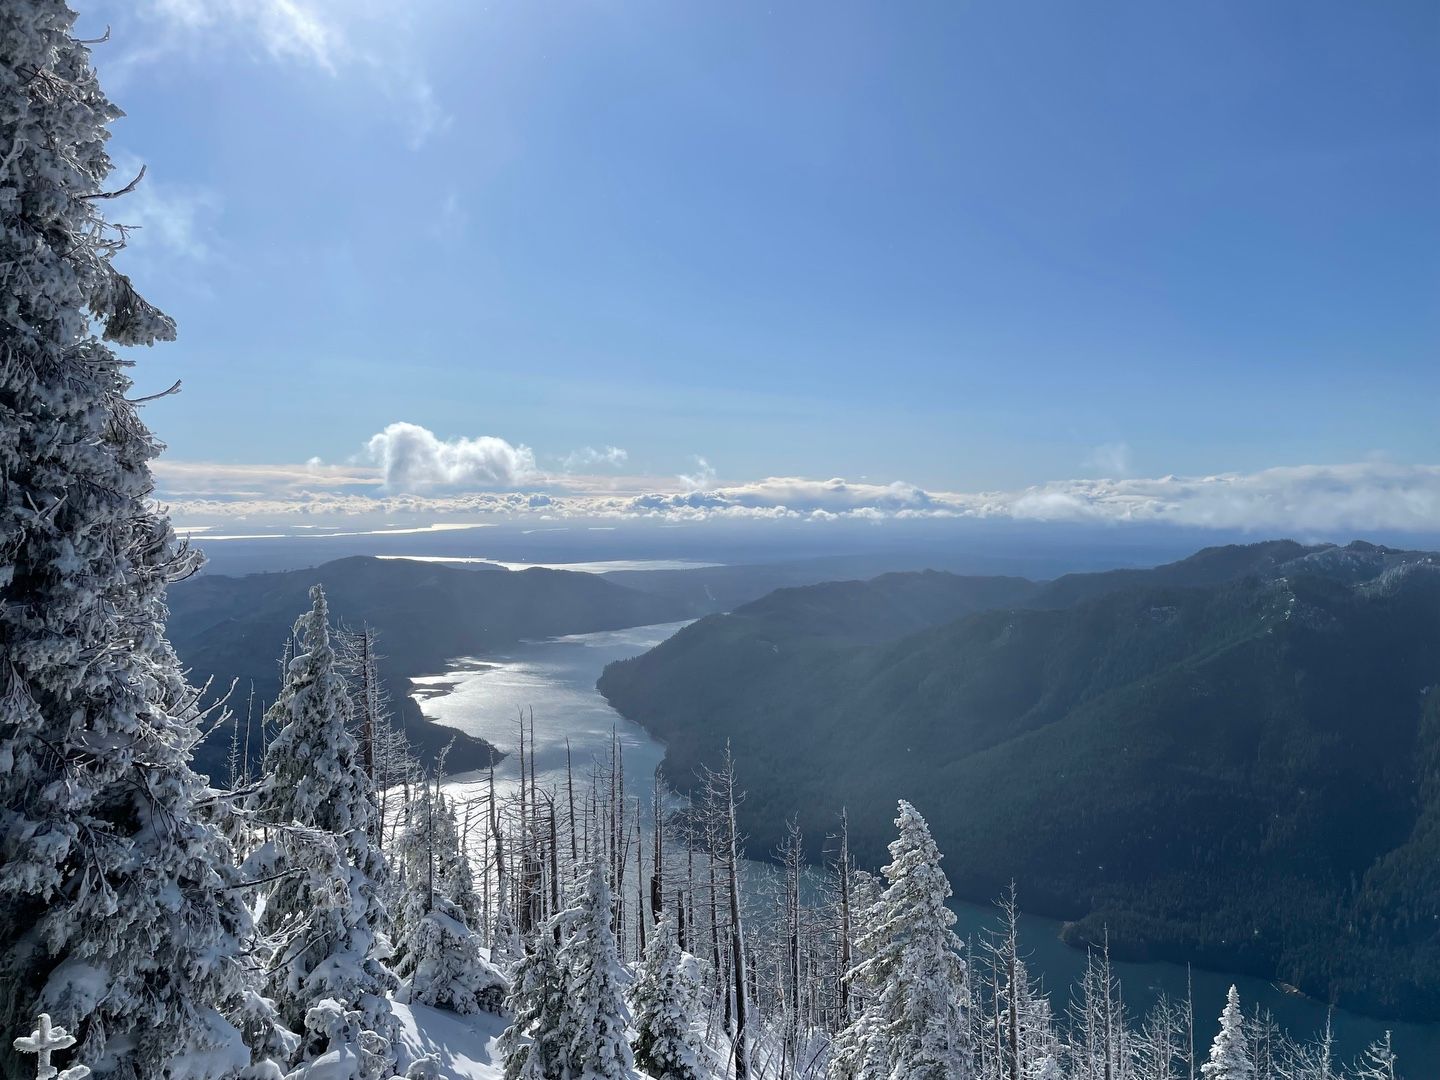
556	678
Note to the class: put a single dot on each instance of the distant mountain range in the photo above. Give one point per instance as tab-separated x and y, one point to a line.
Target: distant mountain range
1233	759
234	628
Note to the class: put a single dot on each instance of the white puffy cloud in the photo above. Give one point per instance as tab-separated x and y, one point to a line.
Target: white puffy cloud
413	458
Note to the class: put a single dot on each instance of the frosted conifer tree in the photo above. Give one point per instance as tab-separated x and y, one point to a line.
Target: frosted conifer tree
437	952
861	1052
913	1023
443	966
340	1045
532	1046
595	1018
415	858
1229	1055
116	916
324	913
856	1042
505	945
456	876
663	999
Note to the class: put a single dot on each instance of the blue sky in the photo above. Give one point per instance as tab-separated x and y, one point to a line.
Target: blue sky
969	247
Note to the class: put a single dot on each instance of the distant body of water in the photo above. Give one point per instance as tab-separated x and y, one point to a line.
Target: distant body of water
600	566
556	678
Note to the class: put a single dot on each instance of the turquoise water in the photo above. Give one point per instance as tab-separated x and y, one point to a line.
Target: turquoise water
557	679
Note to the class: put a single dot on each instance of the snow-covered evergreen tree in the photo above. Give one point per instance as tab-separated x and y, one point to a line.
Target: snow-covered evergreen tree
861	1051
506	948
533	1045
663	1000
856	1038
568	1004
325	911
455	877
913	1023
443	965
414	859
437	953
596	1017
116	912
340	1044
1229	1054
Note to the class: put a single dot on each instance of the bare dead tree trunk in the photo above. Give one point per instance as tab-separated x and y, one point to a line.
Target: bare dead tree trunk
570	790
1189	1022
620	838
497	838
369	702
554	872
522	857
792	854
639	886
1010	908
845	925
249	713
657	857
737	933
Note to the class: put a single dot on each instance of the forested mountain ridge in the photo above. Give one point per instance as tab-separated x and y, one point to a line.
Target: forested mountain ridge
1240	772
425	614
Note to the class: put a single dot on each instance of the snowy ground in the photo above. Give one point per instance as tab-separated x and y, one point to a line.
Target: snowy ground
465	1045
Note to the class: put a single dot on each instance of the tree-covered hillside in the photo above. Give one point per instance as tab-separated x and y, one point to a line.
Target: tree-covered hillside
1240	772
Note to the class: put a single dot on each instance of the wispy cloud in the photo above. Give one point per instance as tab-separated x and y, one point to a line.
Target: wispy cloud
290	30
363	39
1109	459
1303	499
588	457
451	219
702	477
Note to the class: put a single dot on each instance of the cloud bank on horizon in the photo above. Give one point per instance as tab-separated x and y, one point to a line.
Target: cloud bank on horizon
407	473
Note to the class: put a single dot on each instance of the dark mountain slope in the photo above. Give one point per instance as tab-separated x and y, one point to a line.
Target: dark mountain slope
1209	566
879	610
1243	773
426	614
712	589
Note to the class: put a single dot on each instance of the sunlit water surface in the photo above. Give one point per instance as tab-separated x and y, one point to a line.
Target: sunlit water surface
556	679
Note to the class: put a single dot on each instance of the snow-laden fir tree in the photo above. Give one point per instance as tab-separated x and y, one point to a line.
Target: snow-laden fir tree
533	1046
861	1051
437	953
340	1045
324	912
1229	1054
595	1019
413	864
444	967
663	1002
855	1039
454	876
116	913
913	1023
506	948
